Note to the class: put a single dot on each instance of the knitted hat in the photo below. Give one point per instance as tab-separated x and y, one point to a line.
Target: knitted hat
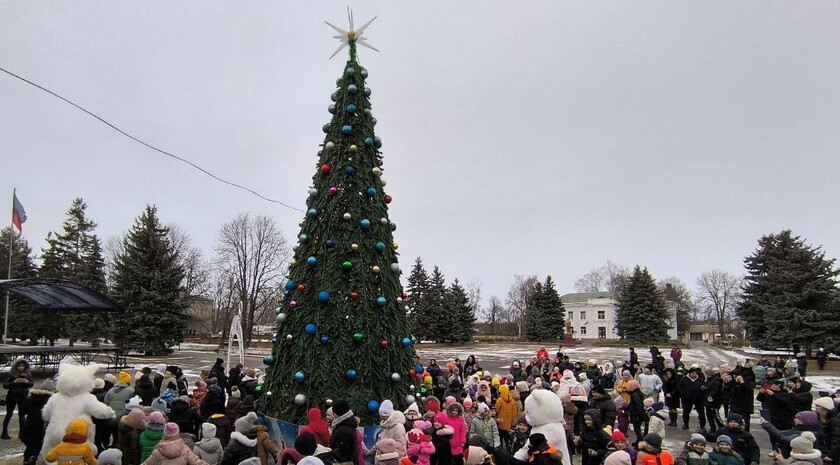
160	405
449	401
386	408
735	417
259	421
155	421
136	415
170	431
654	440
648	402
422	425
697	439
482	407
208	430
246	423
123	377
306	444
215	389
234	392
724	439
804	443
412	408
808	418
618	436
110	378
133	403
110	457
825	402
619	457
495	382
625	373
468	402
386	446
537	440
99	383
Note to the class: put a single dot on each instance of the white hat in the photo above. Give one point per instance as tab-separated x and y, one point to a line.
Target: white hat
482	407
825	402
386	408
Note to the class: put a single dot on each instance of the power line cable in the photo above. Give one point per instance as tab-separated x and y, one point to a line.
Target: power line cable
145	144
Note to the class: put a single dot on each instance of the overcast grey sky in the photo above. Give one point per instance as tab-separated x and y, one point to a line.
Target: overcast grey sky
519	137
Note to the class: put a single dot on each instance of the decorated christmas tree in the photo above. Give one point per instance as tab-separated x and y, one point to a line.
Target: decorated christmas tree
342	331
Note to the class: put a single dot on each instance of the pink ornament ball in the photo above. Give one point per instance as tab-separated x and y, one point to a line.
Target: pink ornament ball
333	190
293	304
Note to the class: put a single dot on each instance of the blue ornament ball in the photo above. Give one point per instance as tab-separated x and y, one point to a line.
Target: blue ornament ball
406	342
350	170
371	192
303	238
377	142
346	129
324	296
268	359
334	97
312	212
311	261
352	88
368	142
286	293
365	223
367	91
290	285
331	109
351	108
373	406
393	227
325	339
330	243
300	376
310	329
367	112
364	73
325	128
350	71
380	301
351	375
380	246
419	368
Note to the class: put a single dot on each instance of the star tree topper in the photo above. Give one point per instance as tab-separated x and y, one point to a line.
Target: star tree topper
351	36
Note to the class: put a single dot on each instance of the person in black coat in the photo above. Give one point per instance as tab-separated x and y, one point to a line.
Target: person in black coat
20	380
602	402
145	388
218	372
780	404
742	441
822	356
742	394
188	420
691	394
713	391
593	440
235	377
800	392
212	403
670	387
33	430
634	358
801	365
343	439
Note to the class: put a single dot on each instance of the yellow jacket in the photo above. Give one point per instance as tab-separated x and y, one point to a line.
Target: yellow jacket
623	388
74	449
507	409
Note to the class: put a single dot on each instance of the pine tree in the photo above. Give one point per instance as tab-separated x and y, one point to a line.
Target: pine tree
147	283
544	315
459	306
439	317
791	294
642	314
418	288
26	320
75	254
342	331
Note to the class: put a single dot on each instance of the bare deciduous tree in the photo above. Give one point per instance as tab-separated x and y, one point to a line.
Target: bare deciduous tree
493	313
191	258
252	251
676	291
473	289
718	294
517	297
113	247
607	278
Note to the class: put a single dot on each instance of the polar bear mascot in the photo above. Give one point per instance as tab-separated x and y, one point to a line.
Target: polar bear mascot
544	412
72	401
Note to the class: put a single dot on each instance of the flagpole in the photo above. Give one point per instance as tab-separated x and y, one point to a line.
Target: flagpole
9	271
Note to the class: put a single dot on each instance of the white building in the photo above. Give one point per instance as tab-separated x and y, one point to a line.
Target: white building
593	315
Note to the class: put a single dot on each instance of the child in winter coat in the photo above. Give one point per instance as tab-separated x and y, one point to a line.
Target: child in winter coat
171	450
652	454
387	453
442	440
209	448
485	425
723	454
243	441
802	453
618	442
234	405
152	435
110	457
470	410
593	440
519	435
623	417
74	448
223	428
33	430
131	428
541	453
694	452
657	416
265	446
420	443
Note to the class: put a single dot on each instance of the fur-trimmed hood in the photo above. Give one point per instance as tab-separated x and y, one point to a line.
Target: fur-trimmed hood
242	439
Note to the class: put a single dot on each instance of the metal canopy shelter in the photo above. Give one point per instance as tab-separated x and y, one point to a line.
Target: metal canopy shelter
57	294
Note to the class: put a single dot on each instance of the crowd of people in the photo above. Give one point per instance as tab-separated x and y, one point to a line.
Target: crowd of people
464	415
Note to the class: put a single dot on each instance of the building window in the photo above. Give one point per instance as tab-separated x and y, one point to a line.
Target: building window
602	332
583	330
571	315
582	315
601	315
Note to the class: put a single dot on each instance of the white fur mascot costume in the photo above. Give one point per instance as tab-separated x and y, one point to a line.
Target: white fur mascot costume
72	401
544	412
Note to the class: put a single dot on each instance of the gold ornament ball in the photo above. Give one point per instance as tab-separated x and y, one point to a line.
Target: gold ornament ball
293	263
406	308
396	246
353	148
354	247
375	269
300	223
376	171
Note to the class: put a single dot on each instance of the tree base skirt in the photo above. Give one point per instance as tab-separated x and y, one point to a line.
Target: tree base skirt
284	433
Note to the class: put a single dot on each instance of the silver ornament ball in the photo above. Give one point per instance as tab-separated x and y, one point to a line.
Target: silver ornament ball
300	399
329	145
281	317
383	221
395	267
409	399
395	377
329	402
347	217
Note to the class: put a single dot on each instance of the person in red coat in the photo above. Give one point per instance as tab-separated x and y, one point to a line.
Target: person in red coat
542	354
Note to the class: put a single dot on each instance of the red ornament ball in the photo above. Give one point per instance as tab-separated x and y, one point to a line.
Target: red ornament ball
383	344
325	169
354	295
301	287
388	199
411	372
404	295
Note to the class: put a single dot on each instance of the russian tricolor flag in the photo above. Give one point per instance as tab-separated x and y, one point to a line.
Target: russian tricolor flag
18	213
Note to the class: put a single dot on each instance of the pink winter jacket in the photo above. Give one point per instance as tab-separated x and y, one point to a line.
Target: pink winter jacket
459	439
423	451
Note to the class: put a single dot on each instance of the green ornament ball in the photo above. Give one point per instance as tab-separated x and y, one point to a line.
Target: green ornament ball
347	265
358	337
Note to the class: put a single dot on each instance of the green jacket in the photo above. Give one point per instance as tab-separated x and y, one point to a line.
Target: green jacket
732	458
149	439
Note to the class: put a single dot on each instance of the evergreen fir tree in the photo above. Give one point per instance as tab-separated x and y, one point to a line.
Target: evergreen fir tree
147	283
26	320
459	306
439	318
75	254
418	288
642	313
545	314
342	332
791	295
